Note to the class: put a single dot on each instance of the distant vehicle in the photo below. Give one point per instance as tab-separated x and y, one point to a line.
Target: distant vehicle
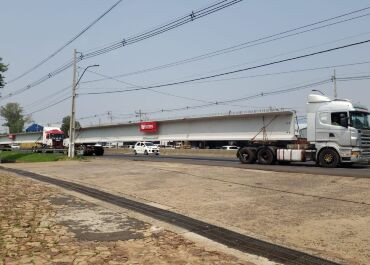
230	147
15	146
146	148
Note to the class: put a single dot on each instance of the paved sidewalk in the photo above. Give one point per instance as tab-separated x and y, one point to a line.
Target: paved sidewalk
41	225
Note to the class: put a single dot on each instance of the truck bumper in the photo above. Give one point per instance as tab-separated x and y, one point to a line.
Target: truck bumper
355	156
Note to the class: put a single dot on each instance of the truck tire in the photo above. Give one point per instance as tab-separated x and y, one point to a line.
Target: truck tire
266	156
246	155
99	151
146	152
328	158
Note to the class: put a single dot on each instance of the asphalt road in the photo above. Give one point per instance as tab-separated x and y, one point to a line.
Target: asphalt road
357	171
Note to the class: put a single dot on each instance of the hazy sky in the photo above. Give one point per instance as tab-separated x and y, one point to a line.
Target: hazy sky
32	30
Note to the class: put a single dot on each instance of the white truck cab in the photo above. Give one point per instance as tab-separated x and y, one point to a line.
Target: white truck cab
339	129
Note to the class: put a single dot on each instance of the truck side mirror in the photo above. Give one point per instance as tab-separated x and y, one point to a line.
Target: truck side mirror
344	122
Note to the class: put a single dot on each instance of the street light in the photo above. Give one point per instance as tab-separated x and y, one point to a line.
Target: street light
94	65
72	123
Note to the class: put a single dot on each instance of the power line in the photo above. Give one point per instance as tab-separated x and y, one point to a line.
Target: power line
49	106
222	102
353	78
66	44
161	92
247	44
261	94
231	72
245	77
269	57
42	100
124	42
255	96
164	28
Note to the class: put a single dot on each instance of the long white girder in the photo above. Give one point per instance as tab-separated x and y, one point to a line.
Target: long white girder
272	125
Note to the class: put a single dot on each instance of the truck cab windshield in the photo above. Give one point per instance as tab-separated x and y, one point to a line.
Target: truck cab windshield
57	137
360	120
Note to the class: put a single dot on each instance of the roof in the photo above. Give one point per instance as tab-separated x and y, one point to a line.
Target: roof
34	128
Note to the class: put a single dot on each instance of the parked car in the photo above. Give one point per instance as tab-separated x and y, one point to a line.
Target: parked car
146	148
230	147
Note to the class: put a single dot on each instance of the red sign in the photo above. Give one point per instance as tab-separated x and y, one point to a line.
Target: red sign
12	136
148	126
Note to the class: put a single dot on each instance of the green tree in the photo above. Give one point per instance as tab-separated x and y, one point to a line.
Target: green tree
14	117
3	68
65	125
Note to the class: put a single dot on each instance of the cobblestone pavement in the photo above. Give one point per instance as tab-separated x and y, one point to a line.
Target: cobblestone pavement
40	225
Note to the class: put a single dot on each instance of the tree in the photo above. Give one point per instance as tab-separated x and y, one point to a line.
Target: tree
3	68
65	125
13	114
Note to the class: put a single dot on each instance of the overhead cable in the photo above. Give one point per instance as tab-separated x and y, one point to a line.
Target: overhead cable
124	42
248	44
65	45
231	72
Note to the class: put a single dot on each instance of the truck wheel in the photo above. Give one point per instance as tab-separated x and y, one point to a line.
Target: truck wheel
246	156
266	157
146	152
328	158
98	151
135	153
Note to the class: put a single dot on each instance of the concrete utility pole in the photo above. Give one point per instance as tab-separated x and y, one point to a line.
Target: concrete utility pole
72	123
334	79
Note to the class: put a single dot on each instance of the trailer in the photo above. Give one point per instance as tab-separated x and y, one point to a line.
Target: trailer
337	132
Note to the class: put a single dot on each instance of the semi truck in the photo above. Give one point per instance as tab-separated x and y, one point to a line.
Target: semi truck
53	139
337	132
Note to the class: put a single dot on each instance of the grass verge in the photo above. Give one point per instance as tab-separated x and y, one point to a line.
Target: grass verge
21	157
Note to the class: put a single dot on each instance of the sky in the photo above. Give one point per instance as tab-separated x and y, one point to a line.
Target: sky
32	30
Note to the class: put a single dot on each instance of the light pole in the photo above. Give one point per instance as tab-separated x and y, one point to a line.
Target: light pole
72	123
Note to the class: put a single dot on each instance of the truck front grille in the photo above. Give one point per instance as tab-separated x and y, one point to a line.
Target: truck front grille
365	143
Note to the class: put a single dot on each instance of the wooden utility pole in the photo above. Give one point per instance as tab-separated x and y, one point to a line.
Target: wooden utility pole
72	123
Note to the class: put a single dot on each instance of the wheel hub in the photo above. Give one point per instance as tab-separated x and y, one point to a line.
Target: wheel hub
328	158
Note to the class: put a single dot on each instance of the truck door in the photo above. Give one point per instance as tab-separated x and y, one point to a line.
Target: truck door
329	128
340	134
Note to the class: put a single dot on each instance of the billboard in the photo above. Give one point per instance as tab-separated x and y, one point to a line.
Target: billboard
148	127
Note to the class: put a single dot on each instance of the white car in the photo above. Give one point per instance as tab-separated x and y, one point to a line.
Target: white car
146	148
15	146
230	147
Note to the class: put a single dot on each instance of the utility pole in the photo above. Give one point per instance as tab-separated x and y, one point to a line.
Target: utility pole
110	116
334	79
140	114
72	123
